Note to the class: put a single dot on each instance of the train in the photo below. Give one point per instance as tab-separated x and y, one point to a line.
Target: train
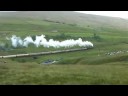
42	53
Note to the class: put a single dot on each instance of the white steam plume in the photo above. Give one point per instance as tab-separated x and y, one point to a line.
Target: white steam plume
41	41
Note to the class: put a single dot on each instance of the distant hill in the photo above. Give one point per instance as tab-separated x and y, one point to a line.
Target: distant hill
70	17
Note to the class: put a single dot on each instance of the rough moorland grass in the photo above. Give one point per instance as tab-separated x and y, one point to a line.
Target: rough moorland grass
32	73
84	67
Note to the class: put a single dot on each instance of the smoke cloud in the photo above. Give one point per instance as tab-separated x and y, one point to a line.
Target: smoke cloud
41	41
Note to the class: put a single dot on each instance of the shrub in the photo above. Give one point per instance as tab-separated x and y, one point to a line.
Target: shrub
34	38
96	37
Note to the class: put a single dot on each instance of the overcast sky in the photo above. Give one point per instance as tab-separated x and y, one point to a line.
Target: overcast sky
121	14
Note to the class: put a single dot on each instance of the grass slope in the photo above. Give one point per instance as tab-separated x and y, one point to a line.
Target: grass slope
71	17
93	66
33	74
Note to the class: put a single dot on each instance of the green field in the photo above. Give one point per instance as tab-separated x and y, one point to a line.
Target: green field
103	64
31	73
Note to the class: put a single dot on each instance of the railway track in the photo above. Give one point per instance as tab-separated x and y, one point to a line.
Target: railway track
42	53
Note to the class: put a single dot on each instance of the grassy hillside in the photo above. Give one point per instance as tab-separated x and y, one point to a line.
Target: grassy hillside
71	17
106	63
